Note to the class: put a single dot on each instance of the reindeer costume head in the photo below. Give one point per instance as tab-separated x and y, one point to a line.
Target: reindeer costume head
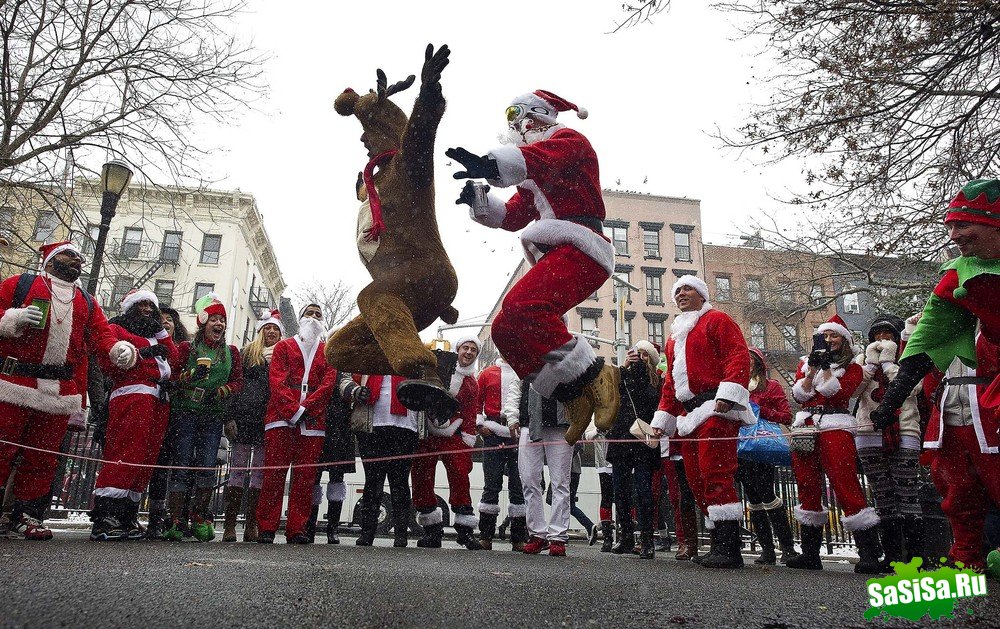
383	122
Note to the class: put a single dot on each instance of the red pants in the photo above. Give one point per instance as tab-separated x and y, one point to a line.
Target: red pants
529	324
968	480
137	424
284	447
834	454
710	466
457	465
28	427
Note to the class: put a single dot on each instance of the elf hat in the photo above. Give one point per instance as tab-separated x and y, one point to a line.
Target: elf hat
541	105
977	202
49	251
207	306
269	317
836	324
137	295
692	281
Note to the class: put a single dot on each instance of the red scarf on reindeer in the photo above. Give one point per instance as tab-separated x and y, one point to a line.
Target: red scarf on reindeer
378	225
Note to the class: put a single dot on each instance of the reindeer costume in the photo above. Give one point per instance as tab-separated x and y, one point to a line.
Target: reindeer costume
413	281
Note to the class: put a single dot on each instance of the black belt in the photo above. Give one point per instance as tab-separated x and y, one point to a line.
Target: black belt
960	380
700	399
10	366
827	410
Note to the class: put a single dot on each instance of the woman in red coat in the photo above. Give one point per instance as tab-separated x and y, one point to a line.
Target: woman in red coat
824	443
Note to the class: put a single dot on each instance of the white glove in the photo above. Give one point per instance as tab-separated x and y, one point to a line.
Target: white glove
15	320
872	353
799	422
888	353
124	355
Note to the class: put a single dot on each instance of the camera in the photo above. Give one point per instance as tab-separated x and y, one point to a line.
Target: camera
820	356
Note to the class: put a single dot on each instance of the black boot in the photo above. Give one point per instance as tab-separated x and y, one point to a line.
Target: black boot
728	546
157	523
400	528
107	517
913	532
812	539
369	525
762	527
466	537
646	548
333	522
432	536
778	517
663	542
310	531
487	529
608	535
626	539
869	551
518	533
890	532
130	520
711	548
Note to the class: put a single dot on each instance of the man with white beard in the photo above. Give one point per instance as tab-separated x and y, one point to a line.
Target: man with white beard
295	425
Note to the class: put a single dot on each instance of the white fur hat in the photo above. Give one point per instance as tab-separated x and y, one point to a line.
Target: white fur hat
468	339
136	295
692	281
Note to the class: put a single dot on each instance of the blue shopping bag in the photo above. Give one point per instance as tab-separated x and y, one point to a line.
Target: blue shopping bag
763	442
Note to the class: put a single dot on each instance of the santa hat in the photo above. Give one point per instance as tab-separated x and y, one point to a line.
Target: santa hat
977	202
269	317
207	306
137	295
542	105
692	281
49	251
836	324
650	349
469	339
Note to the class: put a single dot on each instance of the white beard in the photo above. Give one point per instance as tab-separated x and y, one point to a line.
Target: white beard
310	330
510	137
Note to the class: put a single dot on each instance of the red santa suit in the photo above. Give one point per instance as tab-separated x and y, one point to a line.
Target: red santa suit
294	429
963	437
558	200
707	360
826	407
453	445
34	411
138	411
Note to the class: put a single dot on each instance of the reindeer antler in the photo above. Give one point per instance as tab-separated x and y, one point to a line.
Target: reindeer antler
385	90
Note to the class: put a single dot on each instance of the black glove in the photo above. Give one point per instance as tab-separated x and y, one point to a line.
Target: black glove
476	167
468	194
816	359
361	394
912	370
827	361
200	372
153	350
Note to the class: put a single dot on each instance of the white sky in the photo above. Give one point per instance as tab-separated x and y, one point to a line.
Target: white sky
654	92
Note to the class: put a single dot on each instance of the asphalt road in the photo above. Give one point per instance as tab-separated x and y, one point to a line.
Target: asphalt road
71	581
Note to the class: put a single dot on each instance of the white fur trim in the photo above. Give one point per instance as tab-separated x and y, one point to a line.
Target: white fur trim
336	492
488	509
679	330
729	511
497	429
480	419
709	525
57	342
827	387
294	419
694	282
463	519
860	521
687	424
552	232
434	517
317	494
516	511
810	518
800	392
134	297
836	327
445	431
469	440
44	398
734	392
567	369
57	250
510	162
8	323
665	422
908	330
135	389
117	492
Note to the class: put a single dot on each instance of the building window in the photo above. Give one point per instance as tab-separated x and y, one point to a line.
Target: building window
723	288
164	291
753	290
627	330
682	246
852	303
122	285
785	292
200	290
170	250
7	223
758	336
619	238
654	289
210	246
45	226
791	334
651	243
654	330
594	295
816	293
131	243
624	275
588	326
89	243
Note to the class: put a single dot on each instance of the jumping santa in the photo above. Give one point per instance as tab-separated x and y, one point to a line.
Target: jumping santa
559	206
48	326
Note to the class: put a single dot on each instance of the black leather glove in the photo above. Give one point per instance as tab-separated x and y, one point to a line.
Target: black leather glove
152	351
912	370
816	358
882	418
475	167
361	394
468	194
826	362
200	372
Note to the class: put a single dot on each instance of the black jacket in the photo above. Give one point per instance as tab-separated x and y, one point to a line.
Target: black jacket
635	389
250	405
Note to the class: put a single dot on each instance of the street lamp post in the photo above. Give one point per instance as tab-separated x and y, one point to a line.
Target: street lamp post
115	177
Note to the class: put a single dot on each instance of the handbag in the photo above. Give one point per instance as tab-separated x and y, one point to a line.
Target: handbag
764	442
641	430
361	414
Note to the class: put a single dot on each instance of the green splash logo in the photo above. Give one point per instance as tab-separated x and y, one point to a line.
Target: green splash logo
912	594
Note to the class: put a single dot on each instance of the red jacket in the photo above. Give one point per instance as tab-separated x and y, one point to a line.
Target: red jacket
289	402
147	371
833	395
773	403
490	392
461	432
52	345
986	421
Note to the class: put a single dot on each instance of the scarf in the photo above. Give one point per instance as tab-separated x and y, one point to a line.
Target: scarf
375	386
378	225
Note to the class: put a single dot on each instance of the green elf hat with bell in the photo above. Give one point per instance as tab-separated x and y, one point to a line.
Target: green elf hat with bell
977	202
207	306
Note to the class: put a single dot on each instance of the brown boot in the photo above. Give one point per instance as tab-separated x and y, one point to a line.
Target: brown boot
688	548
605	396
250	532
594	394
233	498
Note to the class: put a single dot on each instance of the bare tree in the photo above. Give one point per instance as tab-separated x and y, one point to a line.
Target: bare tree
640	12
892	106
336	298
